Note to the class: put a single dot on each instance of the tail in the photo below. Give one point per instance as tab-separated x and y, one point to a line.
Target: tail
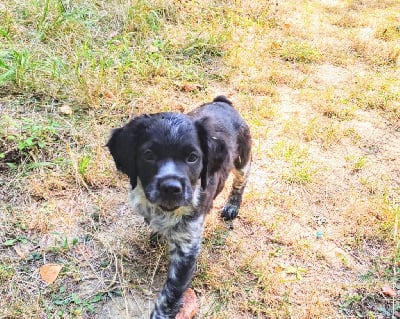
222	98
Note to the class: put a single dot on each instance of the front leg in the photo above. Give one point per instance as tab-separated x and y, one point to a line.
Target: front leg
184	248
231	208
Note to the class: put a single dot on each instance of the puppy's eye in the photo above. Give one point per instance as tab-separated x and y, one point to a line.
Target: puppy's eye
192	158
149	156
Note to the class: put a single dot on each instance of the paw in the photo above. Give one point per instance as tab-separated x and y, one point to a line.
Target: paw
229	211
155	315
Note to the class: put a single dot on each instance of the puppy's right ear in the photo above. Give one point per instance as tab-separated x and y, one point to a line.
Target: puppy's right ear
122	148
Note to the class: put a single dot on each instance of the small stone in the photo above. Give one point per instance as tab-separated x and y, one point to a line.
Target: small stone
65	109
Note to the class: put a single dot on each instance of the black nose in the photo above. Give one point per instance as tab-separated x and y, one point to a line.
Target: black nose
171	186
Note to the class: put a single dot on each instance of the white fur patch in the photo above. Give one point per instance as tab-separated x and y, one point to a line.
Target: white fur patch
196	194
158	219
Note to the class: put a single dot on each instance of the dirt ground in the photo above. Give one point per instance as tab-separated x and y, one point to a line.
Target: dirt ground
317	81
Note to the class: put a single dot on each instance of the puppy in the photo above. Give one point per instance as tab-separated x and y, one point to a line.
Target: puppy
177	164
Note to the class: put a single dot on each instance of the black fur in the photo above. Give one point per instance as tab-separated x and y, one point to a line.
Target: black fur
177	165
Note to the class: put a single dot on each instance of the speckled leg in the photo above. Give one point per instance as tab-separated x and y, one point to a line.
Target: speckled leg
231	208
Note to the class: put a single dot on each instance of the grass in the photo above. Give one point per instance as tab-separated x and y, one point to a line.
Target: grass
356	163
318	83
296	51
300	168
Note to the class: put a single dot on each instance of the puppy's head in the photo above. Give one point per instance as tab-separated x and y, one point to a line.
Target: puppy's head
170	154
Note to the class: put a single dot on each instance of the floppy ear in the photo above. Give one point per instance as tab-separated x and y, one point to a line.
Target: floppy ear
122	148
214	149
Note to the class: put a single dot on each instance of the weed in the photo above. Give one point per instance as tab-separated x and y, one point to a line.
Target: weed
83	163
347	19
300	173
380	99
219	237
389	31
301	169
143	19
349	301
71	303
16	66
328	133
18	239
201	50
62	243
341	110
25	138
356	163
295	51
289	151
6	272
377	52
367	305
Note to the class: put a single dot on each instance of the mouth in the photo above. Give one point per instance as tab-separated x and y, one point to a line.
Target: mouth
168	208
168	203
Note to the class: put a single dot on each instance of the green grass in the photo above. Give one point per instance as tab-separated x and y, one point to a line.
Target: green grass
24	139
301	169
71	54
296	51
6	273
356	163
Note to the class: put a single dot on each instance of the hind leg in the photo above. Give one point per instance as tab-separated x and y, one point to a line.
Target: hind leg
231	208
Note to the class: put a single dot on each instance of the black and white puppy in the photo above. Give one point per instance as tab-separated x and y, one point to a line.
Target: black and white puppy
177	165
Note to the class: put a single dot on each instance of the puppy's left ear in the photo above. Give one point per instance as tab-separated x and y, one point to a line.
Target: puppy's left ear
215	150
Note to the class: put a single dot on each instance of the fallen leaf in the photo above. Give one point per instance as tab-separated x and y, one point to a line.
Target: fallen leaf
49	272
389	291
190	87
109	95
275	46
19	251
189	307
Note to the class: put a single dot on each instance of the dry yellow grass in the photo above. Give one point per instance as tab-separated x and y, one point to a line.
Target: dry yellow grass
318	82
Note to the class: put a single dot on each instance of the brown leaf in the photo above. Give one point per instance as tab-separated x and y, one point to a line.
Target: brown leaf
189	307
19	251
49	272
275	46
109	95
389	291
190	87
